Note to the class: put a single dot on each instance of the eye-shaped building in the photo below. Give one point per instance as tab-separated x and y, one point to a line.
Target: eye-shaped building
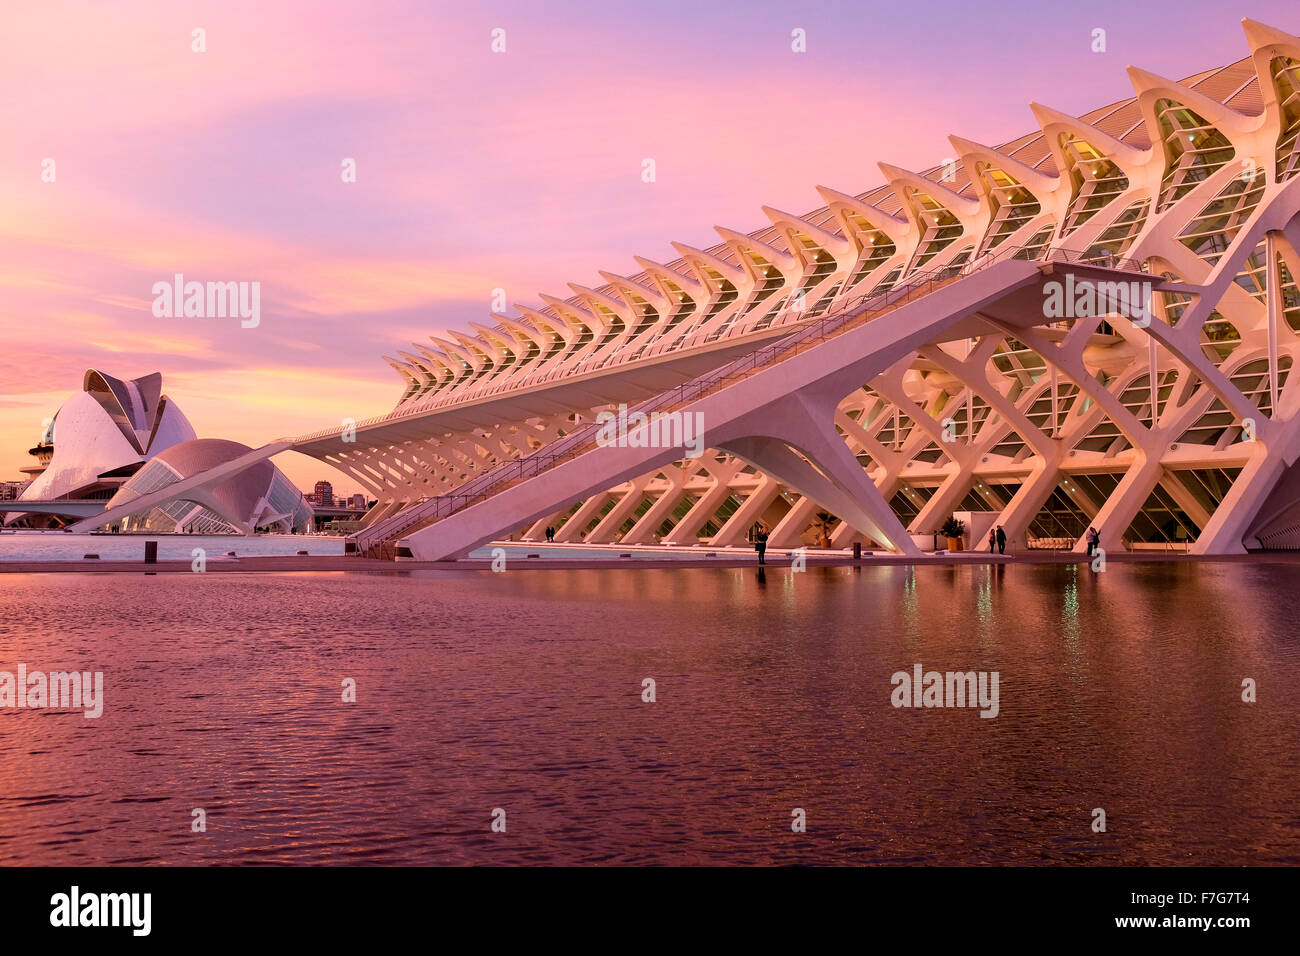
118	436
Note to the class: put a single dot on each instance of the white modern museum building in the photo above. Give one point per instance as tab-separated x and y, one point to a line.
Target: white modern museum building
894	356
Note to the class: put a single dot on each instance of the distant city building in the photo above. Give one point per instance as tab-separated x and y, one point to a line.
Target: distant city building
357	502
323	495
10	490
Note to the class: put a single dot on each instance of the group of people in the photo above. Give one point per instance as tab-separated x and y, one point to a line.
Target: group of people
998	540
550	534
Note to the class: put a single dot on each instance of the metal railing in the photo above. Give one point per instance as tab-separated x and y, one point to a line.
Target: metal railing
851	314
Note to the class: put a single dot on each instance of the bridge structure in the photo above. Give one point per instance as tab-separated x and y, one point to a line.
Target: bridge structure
922	348
64	507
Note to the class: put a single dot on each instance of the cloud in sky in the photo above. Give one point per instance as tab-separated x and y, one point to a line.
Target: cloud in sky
475	170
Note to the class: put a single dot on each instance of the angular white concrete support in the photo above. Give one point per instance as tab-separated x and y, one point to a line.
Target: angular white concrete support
838	481
1123	505
1027	502
1237	513
789	532
573	531
687	530
750	513
648	524
606	532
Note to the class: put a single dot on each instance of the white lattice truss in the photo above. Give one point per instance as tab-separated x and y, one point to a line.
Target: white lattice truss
962	394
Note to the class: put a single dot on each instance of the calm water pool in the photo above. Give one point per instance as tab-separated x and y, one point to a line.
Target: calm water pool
523	691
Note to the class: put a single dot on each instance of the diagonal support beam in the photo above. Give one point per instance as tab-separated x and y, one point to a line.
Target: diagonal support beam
194	484
838	481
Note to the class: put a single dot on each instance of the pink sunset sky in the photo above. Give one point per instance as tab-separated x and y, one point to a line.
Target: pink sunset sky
475	170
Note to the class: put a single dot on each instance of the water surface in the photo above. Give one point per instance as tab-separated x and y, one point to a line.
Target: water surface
523	691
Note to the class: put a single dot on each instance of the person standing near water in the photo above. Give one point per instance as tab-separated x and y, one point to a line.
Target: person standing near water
1002	541
993	540
760	545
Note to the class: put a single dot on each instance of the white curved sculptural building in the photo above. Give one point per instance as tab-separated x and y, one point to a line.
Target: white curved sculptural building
117	438
100	436
1093	324
258	497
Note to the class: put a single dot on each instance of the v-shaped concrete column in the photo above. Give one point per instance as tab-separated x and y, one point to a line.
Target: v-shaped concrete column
643	531
805	423
749	513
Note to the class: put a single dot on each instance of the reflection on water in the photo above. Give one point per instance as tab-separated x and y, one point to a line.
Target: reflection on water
479	690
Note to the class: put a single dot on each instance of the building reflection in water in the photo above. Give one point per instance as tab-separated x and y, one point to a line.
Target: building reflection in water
1119	689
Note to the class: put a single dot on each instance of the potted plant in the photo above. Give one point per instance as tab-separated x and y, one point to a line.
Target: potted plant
824	522
953	530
